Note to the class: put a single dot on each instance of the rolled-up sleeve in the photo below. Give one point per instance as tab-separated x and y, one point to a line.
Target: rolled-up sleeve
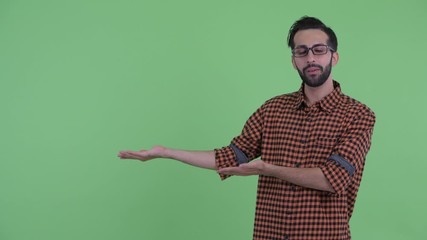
247	144
348	156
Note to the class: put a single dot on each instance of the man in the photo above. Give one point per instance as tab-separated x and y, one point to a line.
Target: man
312	145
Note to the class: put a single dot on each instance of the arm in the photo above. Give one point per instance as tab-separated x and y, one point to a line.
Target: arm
348	156
335	174
247	144
202	159
305	177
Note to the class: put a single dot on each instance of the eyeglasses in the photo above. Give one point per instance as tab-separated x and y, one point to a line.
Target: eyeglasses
302	51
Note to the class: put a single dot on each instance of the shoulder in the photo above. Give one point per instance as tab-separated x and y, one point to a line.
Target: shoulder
355	109
282	101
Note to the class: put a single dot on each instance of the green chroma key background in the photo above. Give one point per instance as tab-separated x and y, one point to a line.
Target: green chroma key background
81	80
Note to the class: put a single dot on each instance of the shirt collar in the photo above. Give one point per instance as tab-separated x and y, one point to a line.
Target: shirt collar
327	104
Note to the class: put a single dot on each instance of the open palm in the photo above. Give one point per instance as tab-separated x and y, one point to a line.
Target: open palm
143	155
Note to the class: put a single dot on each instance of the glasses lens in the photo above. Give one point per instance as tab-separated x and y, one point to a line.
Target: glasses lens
300	51
319	50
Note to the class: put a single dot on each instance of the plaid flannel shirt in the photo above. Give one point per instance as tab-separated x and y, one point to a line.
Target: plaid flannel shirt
334	135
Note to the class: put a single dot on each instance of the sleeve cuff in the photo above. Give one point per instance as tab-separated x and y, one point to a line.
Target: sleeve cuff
343	163
240	156
338	172
225	157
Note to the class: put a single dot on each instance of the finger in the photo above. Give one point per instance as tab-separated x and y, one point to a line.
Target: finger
234	173
129	154
228	170
223	170
247	167
122	154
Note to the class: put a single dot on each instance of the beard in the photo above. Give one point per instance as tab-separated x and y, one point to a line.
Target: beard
315	81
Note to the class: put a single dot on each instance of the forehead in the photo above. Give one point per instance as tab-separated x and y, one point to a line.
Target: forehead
310	37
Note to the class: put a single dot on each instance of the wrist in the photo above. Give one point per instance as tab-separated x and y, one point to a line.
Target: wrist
167	153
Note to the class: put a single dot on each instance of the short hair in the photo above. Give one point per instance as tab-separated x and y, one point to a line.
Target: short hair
307	22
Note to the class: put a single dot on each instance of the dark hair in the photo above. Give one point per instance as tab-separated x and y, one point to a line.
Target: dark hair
307	22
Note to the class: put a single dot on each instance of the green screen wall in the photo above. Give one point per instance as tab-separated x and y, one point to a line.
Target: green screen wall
81	80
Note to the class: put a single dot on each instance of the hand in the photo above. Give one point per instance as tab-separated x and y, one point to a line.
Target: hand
143	155
252	168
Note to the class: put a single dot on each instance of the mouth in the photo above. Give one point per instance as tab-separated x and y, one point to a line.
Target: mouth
312	70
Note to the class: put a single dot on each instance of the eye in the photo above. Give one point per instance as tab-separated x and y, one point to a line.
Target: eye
320	49
300	51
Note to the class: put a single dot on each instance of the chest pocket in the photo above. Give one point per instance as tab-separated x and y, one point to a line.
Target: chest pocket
322	149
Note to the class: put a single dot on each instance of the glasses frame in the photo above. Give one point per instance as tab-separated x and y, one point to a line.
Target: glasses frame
311	48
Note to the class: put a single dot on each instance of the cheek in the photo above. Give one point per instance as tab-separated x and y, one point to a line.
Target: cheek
298	65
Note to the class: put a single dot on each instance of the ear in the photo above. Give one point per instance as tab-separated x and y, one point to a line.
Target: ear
293	63
335	58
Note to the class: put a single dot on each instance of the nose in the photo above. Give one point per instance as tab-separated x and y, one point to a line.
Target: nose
310	57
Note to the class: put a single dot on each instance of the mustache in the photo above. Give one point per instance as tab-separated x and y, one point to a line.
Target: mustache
312	65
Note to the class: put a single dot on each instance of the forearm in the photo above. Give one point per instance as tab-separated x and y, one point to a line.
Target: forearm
305	177
202	159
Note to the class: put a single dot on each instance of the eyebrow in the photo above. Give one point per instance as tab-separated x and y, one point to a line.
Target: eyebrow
314	45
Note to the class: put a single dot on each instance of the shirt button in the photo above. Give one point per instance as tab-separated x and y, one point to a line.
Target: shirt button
298	165
285	237
294	188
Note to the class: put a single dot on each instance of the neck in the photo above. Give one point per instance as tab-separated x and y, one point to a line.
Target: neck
315	94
